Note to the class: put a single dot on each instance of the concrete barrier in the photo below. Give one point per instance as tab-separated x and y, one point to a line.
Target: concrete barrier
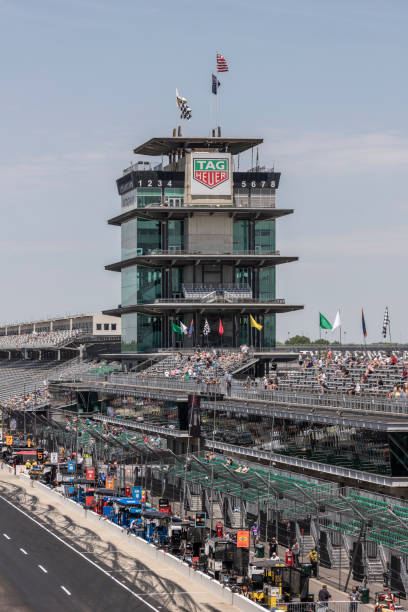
145	548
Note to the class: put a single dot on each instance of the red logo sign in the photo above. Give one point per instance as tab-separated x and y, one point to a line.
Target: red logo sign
90	473
211	172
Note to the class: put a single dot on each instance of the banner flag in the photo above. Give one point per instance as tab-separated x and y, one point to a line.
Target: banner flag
323	322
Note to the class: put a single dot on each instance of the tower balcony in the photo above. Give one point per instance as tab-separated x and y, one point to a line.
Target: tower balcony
208	305
156	258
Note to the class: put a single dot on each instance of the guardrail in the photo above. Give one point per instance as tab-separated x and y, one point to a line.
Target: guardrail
323	468
192	251
142	426
238	391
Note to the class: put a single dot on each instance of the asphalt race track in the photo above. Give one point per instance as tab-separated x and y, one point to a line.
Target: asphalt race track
40	572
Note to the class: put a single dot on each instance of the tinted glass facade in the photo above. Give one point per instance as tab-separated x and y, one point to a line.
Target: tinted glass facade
175	235
170	240
241	236
264	236
140	333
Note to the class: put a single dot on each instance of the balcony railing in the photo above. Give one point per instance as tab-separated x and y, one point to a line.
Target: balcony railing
217	299
239	201
194	251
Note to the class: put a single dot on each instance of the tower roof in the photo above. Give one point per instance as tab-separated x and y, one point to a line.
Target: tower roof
164	146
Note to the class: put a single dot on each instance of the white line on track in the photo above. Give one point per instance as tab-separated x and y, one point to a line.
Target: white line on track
43	569
65	590
24	551
6	536
139	597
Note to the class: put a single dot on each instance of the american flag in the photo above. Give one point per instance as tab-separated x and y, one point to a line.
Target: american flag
222	65
206	329
386	322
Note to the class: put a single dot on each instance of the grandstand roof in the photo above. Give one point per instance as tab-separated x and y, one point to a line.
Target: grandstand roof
166	145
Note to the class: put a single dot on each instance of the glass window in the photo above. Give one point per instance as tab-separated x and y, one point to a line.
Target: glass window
177	276
129	332
139	237
269	331
99	326
129	239
265	236
241	236
129	286
176	235
148	195
173	196
106	326
244	330
113	327
140	285
140	332
148	236
267	284
242	276
149	284
148	332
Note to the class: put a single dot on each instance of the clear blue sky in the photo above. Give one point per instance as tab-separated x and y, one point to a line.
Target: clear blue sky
322	81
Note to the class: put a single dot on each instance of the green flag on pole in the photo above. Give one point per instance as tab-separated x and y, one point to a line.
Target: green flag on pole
176	328
324	323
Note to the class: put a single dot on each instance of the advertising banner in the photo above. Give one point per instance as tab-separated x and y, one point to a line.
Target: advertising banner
71	467
54	458
211	174
110	482
242	539
90	473
137	493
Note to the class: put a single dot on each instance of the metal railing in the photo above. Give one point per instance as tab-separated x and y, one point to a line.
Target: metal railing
142	426
331	606
194	251
240	392
217	298
386	481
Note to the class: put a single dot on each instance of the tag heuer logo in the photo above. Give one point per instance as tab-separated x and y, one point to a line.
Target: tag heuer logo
211	172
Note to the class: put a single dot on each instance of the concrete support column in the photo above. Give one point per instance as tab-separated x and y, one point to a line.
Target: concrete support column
59	355
39	355
70	325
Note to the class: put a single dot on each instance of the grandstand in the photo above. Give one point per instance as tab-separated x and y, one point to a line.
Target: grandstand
51	339
23	379
32	353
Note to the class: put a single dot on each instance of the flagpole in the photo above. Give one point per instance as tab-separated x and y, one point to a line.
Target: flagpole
389	326
216	95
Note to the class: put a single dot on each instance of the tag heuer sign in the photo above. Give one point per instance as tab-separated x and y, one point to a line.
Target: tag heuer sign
211	172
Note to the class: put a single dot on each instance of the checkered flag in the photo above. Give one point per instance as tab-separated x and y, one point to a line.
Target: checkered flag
206	329
386	322
185	110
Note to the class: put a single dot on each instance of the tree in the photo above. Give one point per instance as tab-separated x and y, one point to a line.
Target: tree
322	342
298	341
